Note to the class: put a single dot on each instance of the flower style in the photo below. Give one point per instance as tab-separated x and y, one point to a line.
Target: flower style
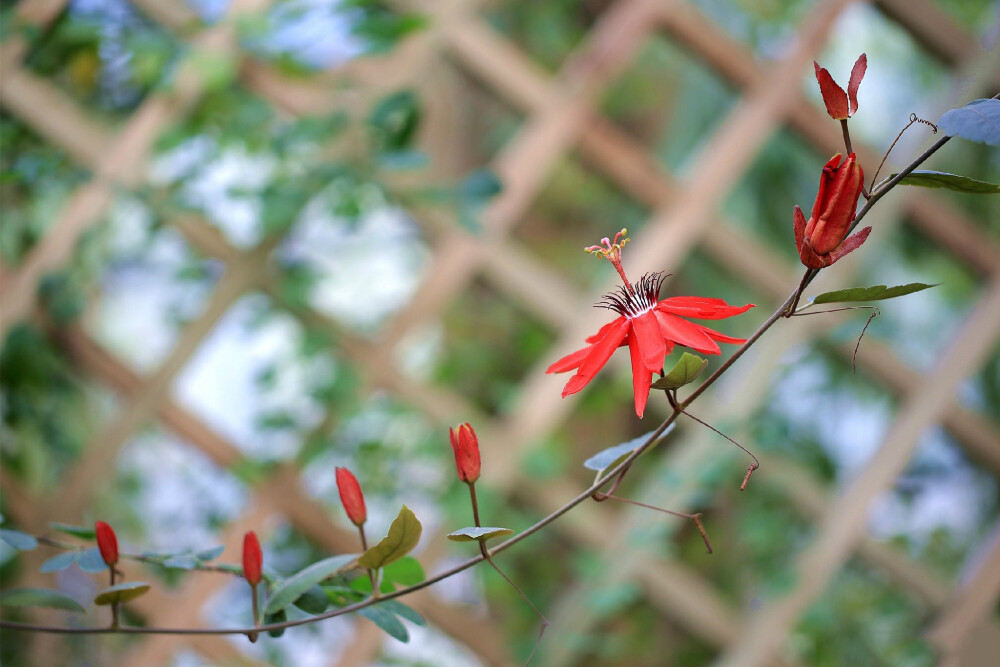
841	105
465	443
252	558
821	241
107	543
649	327
351	496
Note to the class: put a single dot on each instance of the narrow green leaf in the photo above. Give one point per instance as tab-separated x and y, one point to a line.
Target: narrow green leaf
121	592
90	561
83	532
481	533
60	562
210	554
387	621
181	562
400	609
406	571
18	540
313	601
289	590
38	597
874	293
687	368
404	533
612	456
940	179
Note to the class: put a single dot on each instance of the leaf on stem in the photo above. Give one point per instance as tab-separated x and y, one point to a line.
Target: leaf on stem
612	456
18	540
874	293
685	371
387	621
289	590
90	561
83	532
121	593
939	179
404	533
209	554
481	533
979	120
60	562
38	597
313	601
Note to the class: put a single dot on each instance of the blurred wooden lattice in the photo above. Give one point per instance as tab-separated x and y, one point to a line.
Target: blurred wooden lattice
561	117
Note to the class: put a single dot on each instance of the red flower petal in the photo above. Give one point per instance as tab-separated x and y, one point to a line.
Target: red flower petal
857	74
603	331
686	333
699	308
599	354
646	331
833	95
571	361
641	377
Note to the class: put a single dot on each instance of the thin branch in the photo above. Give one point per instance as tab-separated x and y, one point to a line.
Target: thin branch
696	518
545	621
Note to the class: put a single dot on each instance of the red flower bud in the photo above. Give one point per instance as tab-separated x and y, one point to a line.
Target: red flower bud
821	241
351	496
841	105
466	446
106	542
252	558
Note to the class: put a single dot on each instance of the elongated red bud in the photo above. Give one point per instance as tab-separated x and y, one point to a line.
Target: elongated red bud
820	240
107	542
466	446
351	496
253	559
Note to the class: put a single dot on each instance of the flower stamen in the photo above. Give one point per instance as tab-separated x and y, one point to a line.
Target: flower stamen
612	251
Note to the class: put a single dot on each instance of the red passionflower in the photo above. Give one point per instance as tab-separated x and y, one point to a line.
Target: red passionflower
107	542
648	326
465	443
841	105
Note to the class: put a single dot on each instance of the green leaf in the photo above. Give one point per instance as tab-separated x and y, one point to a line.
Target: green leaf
481	533
181	562
83	532
18	540
121	592
874	293
979	120
90	561
289	590
404	533
400	609
612	456
387	621
940	179
406	571
38	597
401	160
277	617
313	601
687	368
210	554
396	118
480	185
60	562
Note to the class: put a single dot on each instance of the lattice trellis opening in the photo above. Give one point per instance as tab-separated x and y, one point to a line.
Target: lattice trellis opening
551	129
